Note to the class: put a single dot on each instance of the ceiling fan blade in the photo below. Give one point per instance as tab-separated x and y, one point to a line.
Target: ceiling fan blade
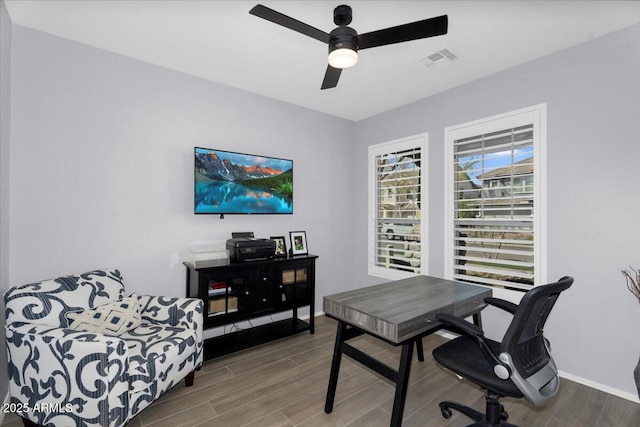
293	24
402	33
331	77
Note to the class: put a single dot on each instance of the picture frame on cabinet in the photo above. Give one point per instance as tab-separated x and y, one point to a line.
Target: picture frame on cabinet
281	246
298	241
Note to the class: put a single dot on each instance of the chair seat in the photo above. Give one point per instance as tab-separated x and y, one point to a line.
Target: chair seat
463	356
155	351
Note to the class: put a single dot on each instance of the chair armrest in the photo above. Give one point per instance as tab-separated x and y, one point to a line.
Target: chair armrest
459	324
83	375
172	311
500	303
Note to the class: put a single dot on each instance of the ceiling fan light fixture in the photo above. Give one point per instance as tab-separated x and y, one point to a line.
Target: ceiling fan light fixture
343	48
344	42
343	58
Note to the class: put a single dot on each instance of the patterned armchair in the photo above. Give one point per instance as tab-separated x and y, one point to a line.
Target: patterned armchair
64	373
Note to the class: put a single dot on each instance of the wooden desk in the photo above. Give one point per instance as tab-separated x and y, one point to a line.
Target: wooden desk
400	313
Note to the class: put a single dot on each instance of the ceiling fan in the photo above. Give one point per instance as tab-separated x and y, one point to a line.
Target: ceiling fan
344	42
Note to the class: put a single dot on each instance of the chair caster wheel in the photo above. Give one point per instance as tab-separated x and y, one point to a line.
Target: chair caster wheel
503	414
446	413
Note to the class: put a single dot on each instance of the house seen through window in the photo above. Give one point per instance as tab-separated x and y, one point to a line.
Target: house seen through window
396	199
495	214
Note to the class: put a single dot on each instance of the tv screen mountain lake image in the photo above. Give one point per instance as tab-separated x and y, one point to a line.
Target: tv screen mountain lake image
228	183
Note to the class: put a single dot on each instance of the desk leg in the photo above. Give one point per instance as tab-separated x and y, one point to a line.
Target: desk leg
335	368
402	384
477	320
420	350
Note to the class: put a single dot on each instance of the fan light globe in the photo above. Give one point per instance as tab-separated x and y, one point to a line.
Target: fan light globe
343	58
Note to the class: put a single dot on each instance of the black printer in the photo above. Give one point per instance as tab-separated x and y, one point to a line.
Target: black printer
249	248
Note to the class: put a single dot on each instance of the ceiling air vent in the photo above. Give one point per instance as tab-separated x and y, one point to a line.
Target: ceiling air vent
440	57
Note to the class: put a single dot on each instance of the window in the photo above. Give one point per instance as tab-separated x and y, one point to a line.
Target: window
397	207
496	200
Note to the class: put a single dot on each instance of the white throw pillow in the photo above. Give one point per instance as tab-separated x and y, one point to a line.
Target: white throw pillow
113	318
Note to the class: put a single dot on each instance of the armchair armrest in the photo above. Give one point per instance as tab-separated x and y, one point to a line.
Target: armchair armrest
82	375
182	312
172	311
500	303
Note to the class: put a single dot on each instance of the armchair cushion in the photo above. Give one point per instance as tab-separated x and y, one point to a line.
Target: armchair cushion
156	352
112	319
48	301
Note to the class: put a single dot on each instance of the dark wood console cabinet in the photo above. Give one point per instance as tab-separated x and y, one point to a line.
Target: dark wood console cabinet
246	290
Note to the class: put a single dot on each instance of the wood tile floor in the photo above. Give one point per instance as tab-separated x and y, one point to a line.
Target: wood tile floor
283	384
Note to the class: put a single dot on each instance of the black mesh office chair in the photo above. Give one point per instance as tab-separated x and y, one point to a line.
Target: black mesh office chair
520	366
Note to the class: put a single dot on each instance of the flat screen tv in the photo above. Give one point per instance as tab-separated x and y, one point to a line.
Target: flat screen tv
237	183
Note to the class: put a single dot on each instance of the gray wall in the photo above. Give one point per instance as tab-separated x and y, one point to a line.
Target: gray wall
592	93
5	135
102	166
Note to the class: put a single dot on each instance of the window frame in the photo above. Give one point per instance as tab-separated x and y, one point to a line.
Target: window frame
537	116
420	141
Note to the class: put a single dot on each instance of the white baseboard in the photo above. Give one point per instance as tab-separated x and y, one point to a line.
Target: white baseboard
605	388
446	334
306	316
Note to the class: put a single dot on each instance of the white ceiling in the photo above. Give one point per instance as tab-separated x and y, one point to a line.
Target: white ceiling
221	41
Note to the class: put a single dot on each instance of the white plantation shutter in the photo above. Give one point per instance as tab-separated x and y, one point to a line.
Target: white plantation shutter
397	192
495	237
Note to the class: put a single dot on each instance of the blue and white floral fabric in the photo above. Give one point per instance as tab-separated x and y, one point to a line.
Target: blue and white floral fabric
62	377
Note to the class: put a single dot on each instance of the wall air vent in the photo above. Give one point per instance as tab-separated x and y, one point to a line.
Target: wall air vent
440	57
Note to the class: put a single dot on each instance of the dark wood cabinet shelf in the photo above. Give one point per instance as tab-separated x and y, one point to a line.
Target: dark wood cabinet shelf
246	290
246	338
